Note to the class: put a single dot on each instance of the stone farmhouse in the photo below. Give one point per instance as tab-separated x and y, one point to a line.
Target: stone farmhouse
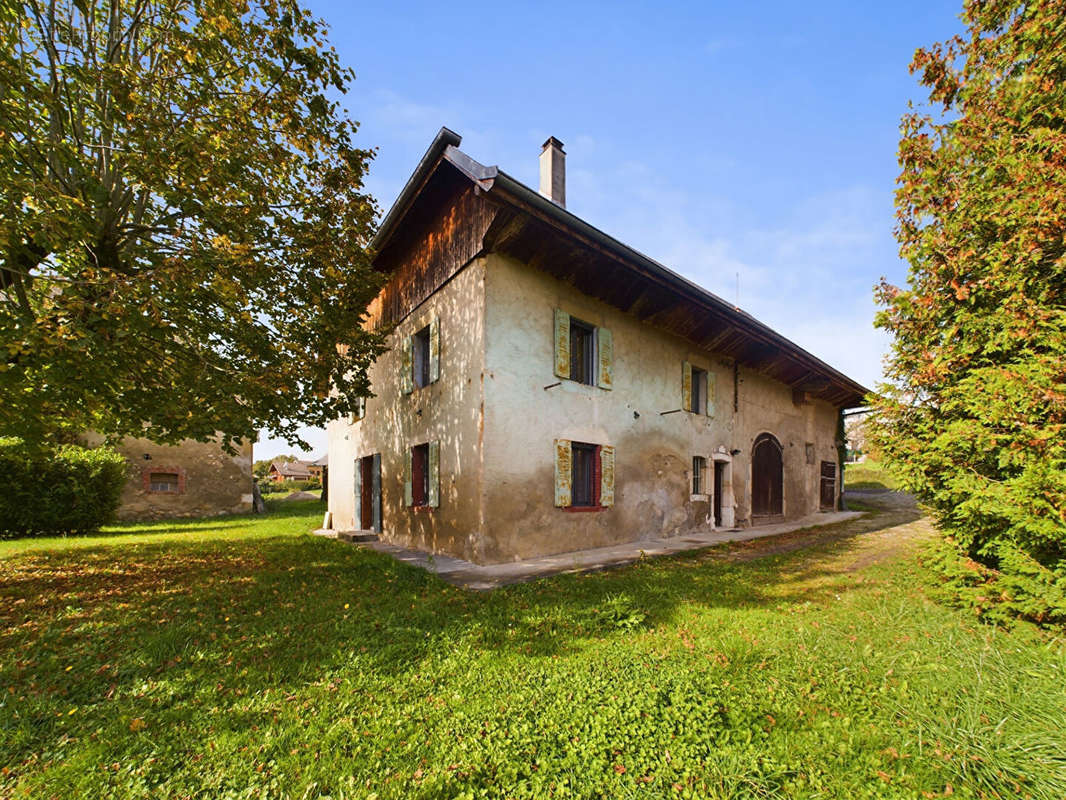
189	479
549	389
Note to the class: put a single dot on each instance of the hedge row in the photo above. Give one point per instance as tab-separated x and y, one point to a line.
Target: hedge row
67	489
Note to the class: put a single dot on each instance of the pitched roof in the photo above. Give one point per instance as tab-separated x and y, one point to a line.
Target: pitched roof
539	232
291	468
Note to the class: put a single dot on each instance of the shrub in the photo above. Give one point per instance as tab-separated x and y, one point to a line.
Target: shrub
67	489
269	487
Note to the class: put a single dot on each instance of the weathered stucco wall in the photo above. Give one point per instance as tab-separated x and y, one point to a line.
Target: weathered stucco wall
213	481
653	458
449	410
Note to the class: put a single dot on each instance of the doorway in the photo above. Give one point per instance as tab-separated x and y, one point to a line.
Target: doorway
368	493
767	479
828	494
719	484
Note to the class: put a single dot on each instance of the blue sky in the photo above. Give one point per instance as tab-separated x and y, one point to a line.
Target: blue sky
718	138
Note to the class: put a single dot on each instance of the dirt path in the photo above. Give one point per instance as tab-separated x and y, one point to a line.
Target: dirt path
893	527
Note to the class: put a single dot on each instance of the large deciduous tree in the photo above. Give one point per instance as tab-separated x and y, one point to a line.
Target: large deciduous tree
183	227
975	415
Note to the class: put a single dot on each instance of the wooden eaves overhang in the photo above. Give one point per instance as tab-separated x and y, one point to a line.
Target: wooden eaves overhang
454	208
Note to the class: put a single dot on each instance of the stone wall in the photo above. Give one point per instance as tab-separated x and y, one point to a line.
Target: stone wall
211	481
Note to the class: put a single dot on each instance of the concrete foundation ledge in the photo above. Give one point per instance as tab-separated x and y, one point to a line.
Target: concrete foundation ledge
357	536
489	576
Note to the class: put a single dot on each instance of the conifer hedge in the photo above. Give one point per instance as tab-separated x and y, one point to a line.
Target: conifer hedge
66	489
974	419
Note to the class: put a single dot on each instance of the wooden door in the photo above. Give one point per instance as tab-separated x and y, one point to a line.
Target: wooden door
366	488
828	495
767	479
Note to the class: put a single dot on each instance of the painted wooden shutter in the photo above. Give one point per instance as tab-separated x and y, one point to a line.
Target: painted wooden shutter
407	378
434	475
605	342
376	494
563	472
408	494
712	392
434	350
606	475
686	386
562	343
358	494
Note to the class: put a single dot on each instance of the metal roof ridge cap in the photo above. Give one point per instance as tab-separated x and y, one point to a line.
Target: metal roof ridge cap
480	173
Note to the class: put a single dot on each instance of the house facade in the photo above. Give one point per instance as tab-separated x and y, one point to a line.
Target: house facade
190	479
548	389
281	471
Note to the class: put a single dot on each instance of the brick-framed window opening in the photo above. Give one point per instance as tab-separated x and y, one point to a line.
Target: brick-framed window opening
163	480
699	475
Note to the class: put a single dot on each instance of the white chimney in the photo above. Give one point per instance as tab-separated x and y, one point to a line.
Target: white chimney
553	171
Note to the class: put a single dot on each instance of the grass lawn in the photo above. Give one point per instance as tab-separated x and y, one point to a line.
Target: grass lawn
868	474
244	658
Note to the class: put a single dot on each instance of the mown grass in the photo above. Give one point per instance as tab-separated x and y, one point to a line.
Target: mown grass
868	474
245	658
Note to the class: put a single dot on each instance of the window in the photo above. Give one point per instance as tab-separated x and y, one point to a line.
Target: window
698	398
698	389
421	478
164	482
420	354
359	412
420	475
421	358
585	486
584	475
699	475
582	353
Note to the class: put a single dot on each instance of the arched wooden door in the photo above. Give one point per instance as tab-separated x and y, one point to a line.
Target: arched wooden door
767	478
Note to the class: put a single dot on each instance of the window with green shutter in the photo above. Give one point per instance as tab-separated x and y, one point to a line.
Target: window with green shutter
584	353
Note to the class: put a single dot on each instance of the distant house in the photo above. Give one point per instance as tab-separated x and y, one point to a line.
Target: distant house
190	479
281	471
318	467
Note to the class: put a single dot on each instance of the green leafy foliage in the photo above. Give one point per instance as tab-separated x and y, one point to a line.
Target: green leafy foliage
183	228
68	489
242	657
272	487
974	420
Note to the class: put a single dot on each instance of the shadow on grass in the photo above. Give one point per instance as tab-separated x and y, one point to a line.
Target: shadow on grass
274	611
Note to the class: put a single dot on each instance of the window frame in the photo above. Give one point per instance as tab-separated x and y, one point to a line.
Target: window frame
698	391
585	333
420	357
591	456
420	476
164	469
699	476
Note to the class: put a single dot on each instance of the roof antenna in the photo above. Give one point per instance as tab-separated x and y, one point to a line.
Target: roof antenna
737	304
